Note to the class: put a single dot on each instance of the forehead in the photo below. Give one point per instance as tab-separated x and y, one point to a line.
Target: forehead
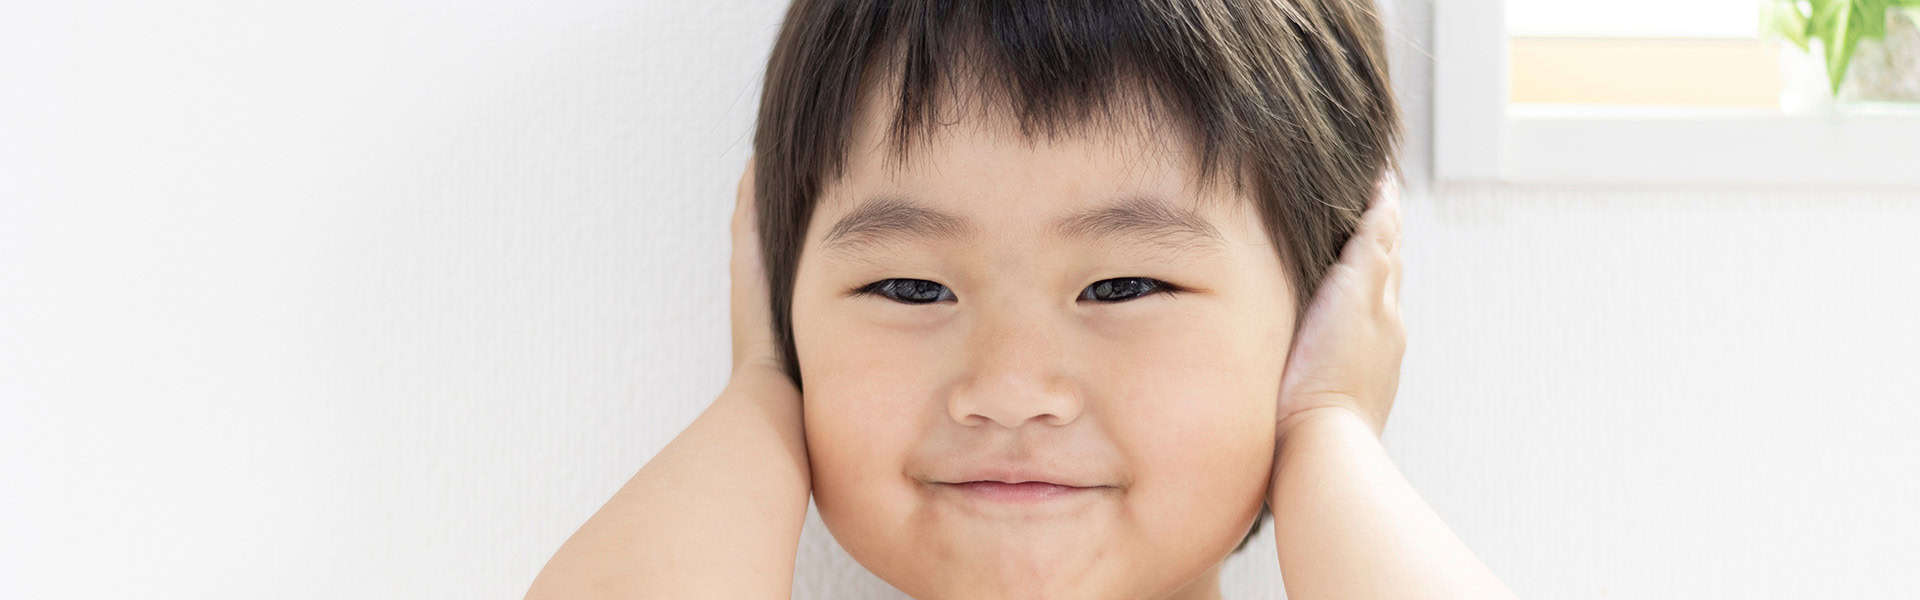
975	173
968	126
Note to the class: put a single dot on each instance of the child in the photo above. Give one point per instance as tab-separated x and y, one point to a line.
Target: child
1075	291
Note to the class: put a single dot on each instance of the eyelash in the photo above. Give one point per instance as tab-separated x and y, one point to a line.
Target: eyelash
882	287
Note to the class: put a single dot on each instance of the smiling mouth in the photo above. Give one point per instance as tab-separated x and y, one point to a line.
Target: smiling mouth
1025	492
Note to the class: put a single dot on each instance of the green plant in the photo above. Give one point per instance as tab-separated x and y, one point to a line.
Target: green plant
1838	24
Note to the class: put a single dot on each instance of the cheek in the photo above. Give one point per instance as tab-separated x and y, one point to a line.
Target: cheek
864	389
1202	372
862	412
1195	417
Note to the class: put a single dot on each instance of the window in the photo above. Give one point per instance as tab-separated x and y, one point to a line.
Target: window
1646	91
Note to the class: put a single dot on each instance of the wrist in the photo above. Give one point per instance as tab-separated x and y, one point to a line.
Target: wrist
764	377
1297	423
771	398
767	391
1309	435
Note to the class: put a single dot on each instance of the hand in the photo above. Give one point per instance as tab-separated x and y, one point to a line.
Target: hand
754	348
1346	352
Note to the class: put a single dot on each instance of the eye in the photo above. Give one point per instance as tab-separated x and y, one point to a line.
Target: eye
1127	288
908	291
921	291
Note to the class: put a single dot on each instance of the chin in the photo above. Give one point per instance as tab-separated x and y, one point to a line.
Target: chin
932	558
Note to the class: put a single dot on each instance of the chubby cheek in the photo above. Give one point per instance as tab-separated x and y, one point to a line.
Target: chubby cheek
1195	417
862	414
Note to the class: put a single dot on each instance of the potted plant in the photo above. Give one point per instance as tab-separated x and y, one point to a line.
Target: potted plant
1869	50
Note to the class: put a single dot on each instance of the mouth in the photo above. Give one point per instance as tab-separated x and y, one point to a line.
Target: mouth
1025	492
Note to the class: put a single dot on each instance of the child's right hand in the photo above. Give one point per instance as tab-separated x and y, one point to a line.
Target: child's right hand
1346	351
755	351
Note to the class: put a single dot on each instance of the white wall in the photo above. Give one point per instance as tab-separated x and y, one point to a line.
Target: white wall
363	300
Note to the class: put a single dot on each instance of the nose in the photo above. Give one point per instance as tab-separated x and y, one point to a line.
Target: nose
1013	374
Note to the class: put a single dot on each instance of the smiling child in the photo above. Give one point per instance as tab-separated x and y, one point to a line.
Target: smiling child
1059	299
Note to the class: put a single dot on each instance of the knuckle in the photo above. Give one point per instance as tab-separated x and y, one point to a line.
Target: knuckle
1385	317
1338	273
1381	252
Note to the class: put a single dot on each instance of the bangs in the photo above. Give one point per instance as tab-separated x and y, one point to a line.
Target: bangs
1042	80
1047	69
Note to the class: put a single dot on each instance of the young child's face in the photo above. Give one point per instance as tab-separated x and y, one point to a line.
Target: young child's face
1168	401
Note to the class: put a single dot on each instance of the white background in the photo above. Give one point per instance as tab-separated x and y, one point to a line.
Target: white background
373	300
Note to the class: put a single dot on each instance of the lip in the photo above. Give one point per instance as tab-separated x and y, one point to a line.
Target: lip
1016	473
1029	492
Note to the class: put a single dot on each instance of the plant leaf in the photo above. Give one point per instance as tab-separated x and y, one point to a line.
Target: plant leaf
1871	17
1784	19
1841	36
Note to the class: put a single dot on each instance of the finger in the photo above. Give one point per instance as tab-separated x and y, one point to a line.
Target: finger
1386	232
1390	191
743	204
1366	253
747	259
1387	200
1393	278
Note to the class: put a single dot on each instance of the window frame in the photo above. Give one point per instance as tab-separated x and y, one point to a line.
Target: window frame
1479	136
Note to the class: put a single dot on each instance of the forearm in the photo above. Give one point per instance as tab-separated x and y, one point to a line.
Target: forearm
1348	525
716	514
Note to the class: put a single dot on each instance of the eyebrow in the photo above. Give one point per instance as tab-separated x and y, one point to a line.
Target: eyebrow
891	218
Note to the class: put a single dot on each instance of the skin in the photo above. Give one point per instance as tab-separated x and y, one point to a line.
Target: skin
1017	362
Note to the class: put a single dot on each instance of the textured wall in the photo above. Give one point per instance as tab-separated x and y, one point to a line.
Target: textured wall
364	300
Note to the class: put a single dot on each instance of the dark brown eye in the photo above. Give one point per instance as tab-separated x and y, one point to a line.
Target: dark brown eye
909	291
921	291
1126	288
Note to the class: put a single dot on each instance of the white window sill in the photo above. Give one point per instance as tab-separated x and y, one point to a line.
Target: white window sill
1867	144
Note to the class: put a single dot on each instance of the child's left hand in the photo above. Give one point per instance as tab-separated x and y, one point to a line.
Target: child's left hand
1346	352
754	346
